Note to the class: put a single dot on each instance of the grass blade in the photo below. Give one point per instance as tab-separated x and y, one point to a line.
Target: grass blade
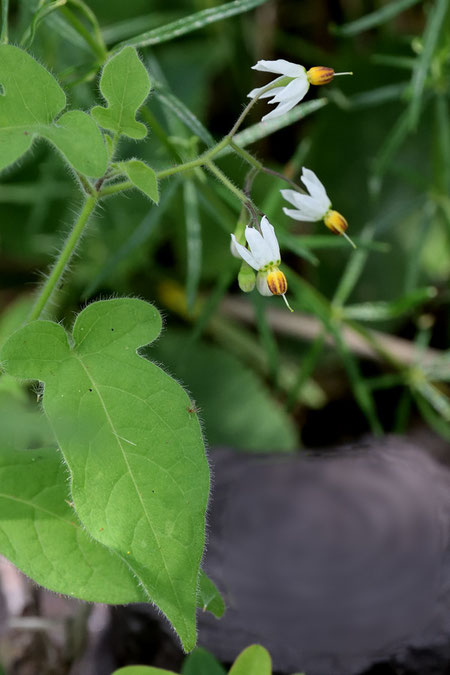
258	131
193	242
177	107
385	13
382	311
423	62
190	23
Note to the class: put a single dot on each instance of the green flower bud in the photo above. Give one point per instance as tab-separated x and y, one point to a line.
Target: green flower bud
246	278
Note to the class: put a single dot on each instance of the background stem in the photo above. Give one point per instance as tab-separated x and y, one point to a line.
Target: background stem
4	31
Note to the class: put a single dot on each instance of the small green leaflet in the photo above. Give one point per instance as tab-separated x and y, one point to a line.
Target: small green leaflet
201	662
142	176
138	473
125	85
208	597
254	660
29	107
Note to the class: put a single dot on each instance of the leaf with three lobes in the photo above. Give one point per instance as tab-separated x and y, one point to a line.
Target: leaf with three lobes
138	472
125	85
30	101
41	534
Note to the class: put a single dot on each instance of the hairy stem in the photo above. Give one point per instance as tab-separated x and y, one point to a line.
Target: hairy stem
64	258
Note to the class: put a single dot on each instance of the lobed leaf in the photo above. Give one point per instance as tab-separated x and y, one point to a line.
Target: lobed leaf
138	471
190	23
143	177
31	101
124	85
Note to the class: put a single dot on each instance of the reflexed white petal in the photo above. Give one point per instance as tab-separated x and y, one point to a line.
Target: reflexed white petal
245	255
267	94
309	206
280	66
315	187
295	90
261	284
270	237
271	92
280	110
259	248
299	215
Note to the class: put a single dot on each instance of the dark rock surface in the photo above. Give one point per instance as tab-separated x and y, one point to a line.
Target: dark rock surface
332	562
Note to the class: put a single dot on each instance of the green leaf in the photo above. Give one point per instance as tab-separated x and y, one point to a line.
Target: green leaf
237	409
254	660
143	177
124	85
133	446
142	670
190	23
201	662
41	534
208	597
382	15
435	21
29	107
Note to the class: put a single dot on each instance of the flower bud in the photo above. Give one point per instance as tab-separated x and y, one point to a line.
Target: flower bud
335	222
246	278
320	75
276	282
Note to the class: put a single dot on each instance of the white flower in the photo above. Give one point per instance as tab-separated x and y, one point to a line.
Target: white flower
293	82
315	206
310	207
264	257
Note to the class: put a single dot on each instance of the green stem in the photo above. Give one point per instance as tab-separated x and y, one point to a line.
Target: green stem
89	14
171	171
246	201
260	167
4	32
64	258
83	31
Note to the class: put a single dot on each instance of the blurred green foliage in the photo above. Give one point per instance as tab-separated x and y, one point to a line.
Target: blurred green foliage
380	142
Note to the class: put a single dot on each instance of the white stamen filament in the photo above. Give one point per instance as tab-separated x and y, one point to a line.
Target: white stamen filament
336	74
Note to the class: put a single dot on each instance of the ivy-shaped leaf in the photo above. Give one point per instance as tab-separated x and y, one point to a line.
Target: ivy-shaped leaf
30	101
138	472
41	534
125	85
142	176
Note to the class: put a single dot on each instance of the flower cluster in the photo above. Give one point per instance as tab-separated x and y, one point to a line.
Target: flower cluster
263	252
